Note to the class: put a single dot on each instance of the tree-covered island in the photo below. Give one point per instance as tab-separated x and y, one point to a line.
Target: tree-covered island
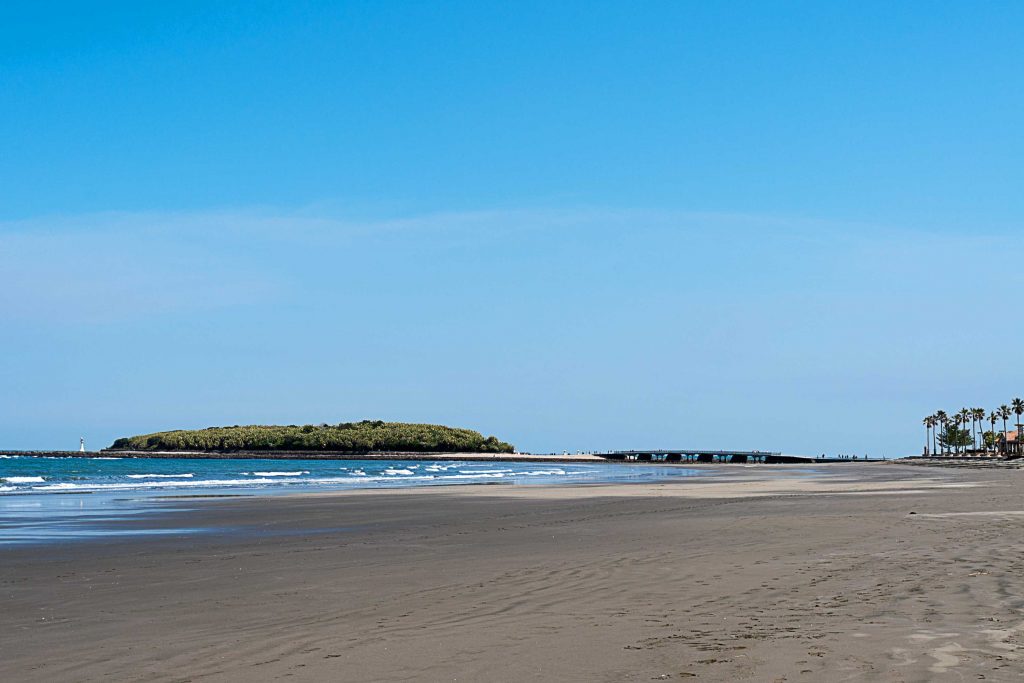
368	436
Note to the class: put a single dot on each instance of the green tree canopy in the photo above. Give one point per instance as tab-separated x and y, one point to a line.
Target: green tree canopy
955	437
347	437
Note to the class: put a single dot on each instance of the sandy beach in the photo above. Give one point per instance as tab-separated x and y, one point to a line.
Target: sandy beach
866	572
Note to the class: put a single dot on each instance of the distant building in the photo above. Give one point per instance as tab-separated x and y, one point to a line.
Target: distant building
1011	445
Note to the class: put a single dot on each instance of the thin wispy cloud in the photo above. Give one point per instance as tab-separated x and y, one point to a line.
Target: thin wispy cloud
89	271
109	266
650	316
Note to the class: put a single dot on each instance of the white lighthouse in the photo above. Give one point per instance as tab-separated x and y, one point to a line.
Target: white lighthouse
81	445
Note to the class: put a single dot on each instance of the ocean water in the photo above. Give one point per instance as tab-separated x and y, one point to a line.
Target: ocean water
21	475
46	500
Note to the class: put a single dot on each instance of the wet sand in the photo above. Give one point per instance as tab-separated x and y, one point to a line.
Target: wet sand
760	574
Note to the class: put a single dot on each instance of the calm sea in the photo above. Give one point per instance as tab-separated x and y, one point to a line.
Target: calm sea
60	499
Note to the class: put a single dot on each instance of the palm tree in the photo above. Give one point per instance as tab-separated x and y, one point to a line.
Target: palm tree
969	415
1018	409
1004	413
947	448
928	422
950	423
965	415
942	419
954	421
979	417
992	417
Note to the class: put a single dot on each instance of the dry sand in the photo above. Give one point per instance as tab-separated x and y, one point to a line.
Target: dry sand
827	578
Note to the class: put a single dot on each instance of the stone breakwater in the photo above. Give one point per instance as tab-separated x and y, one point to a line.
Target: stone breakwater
58	454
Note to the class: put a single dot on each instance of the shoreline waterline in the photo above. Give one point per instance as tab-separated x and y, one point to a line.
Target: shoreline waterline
171	511
50	500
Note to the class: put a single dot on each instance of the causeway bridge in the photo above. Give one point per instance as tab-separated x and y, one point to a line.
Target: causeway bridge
704	456
687	455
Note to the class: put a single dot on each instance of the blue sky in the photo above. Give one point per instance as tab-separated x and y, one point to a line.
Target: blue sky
788	226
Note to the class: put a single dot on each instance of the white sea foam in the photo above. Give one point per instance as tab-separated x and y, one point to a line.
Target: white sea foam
160	476
500	474
211	483
486	475
397	475
405	478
